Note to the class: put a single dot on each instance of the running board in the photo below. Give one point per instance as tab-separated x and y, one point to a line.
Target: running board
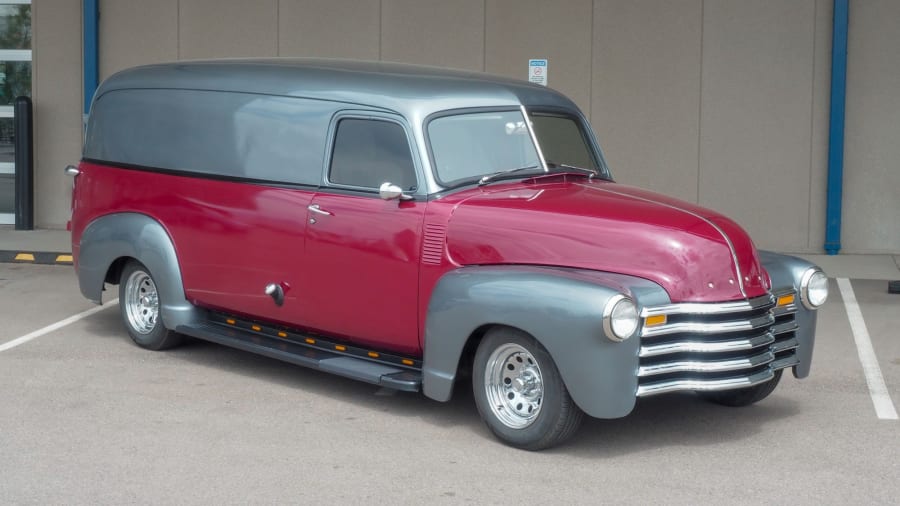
369	371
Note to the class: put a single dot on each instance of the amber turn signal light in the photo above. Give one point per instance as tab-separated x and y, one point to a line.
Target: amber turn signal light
785	300
652	321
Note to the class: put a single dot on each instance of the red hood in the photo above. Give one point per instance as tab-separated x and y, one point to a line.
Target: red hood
688	250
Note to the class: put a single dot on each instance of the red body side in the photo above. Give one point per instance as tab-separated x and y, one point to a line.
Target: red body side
364	269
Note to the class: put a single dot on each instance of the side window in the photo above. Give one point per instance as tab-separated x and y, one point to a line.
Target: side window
241	135
369	152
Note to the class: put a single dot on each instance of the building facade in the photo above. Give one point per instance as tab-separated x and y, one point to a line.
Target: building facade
720	102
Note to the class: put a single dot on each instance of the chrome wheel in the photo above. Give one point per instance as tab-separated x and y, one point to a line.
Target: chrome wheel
141	302
513	385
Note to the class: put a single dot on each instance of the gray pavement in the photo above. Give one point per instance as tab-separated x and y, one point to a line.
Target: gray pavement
86	417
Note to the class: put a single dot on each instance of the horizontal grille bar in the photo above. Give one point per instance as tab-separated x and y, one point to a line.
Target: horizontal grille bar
707	365
653	350
705	385
783	328
781	363
701	308
786	345
711	328
783	310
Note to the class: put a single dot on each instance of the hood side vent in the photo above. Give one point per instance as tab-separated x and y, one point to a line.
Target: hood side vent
433	245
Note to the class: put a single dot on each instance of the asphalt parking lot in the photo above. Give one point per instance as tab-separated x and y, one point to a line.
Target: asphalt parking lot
86	417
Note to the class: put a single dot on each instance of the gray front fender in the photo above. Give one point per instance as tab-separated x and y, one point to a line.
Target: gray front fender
137	236
561	308
786	272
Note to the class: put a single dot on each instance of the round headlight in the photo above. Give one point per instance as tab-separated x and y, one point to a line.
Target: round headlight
814	288
620	318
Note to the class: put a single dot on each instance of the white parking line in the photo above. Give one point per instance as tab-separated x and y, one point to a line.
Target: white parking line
884	407
55	326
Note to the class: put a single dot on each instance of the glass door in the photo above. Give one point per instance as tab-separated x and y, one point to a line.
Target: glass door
15	80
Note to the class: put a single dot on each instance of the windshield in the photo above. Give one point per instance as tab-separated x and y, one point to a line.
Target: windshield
468	146
472	145
562	140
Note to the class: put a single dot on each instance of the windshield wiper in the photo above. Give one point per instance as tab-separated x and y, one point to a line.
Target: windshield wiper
490	177
591	172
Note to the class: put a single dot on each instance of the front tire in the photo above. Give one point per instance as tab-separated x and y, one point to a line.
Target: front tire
139	304
744	396
519	392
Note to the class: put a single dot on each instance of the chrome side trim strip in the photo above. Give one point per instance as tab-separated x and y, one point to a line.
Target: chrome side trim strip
700	385
705	308
654	350
709	328
707	366
734	259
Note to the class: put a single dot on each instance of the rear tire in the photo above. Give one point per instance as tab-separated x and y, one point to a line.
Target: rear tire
744	396
519	392
139	305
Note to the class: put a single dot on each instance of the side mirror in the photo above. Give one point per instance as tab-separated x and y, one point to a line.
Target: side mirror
390	191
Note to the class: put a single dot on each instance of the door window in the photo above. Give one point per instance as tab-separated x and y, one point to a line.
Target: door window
369	152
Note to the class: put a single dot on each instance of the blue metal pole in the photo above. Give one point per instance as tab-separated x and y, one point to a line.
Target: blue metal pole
836	127
90	50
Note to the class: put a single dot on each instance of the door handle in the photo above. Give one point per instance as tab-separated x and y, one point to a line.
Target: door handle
316	209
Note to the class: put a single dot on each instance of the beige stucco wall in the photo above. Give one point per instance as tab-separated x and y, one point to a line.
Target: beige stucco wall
872	148
719	102
57	96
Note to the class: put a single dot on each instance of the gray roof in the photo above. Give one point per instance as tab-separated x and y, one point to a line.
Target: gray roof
409	89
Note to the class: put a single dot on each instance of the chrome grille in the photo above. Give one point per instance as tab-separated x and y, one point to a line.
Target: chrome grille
710	346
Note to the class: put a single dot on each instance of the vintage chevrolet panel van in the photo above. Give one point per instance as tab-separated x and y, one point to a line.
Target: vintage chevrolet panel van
410	227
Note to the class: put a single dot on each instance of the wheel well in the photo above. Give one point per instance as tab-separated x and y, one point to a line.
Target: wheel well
467	357
114	273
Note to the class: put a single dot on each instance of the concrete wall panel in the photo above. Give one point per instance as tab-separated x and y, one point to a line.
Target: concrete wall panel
434	32
517	30
136	32
333	29
227	28
646	92
872	144
58	98
755	131
821	106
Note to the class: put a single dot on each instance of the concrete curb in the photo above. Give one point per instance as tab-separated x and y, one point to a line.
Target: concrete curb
35	257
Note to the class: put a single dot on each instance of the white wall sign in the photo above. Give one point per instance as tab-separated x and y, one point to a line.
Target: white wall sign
537	71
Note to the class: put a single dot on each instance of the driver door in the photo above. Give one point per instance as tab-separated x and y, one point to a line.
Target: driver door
362	251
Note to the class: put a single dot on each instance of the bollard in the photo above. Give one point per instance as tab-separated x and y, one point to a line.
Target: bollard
24	148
